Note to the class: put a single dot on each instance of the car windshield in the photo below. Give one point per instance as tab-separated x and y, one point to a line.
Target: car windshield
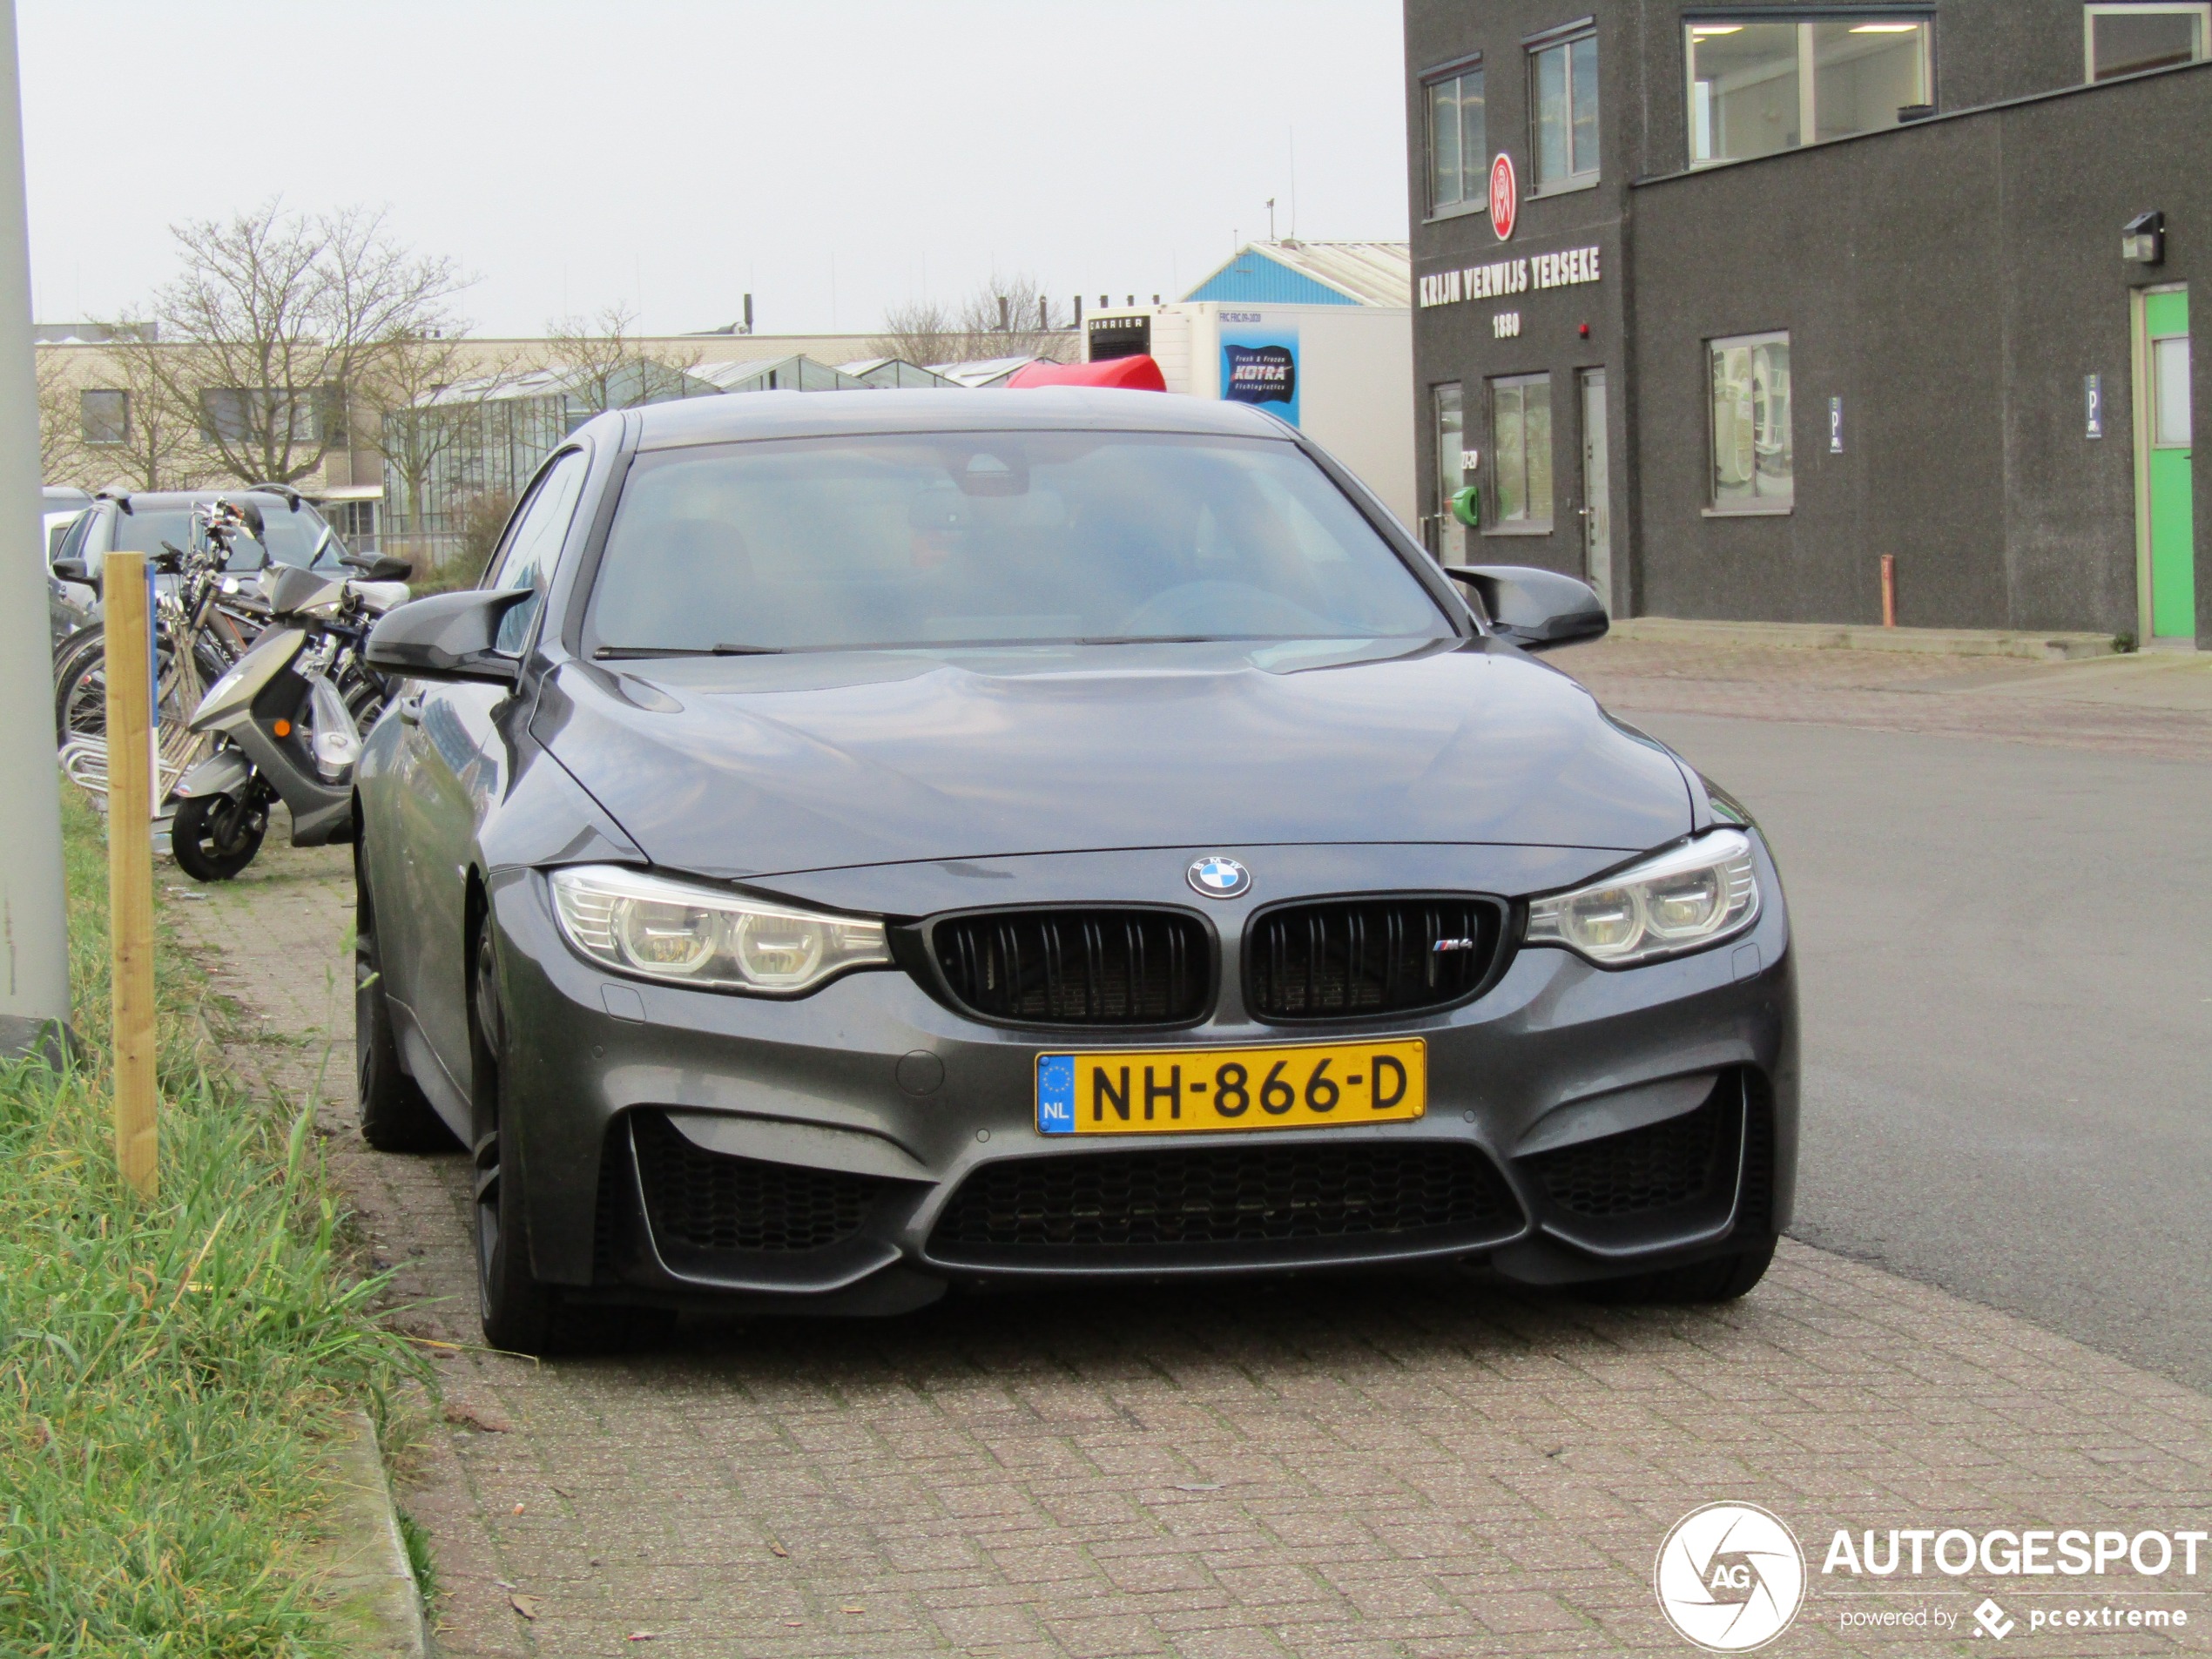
288	537
992	538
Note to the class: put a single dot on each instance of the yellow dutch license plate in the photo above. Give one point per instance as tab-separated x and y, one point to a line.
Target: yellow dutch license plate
1136	1091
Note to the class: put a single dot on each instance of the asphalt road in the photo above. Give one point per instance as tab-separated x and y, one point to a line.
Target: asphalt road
2006	978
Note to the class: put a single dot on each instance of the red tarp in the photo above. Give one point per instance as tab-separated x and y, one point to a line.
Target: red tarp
1138	373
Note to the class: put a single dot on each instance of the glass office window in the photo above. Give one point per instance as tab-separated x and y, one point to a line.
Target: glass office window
1759	88
1450	543
1863	73
2169	362
1743	90
1521	451
2128	39
1566	104
1752	453
104	416
1459	153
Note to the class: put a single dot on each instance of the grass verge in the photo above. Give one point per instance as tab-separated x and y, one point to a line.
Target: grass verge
166	1371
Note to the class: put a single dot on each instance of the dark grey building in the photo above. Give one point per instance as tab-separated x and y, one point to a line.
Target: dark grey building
1784	289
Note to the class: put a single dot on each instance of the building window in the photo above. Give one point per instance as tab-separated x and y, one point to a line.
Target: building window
1450	545
1459	144
1759	88
104	416
1565	105
257	415
1520	452
1752	454
2128	39
356	523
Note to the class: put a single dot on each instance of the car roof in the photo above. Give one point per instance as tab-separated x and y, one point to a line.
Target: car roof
155	499
794	415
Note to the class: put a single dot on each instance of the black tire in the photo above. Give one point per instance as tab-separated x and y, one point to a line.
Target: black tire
520	1313
1721	1279
394	1116
213	837
80	681
80	708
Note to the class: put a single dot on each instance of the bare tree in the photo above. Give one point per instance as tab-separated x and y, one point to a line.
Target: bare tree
277	319
606	366
1013	317
1005	317
921	331
62	459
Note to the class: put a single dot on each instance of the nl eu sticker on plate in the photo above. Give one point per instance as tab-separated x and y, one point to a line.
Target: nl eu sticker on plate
1057	1094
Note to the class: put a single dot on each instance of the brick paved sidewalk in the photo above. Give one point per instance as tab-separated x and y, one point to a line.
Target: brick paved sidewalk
1405	1468
2153	703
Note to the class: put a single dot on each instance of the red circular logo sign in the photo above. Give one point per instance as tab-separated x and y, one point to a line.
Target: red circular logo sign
1505	196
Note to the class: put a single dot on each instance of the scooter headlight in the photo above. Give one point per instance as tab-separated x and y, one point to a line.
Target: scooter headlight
337	742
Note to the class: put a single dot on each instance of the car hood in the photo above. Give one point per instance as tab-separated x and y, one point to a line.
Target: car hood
755	766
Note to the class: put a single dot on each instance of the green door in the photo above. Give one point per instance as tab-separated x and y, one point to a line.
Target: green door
2173	537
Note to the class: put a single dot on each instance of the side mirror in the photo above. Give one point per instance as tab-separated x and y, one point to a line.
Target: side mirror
380	567
1535	609
448	637
75	570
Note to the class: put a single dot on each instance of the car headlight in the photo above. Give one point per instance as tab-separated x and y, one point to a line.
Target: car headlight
657	928
1683	900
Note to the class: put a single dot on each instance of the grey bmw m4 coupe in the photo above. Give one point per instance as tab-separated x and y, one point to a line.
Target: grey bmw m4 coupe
853	846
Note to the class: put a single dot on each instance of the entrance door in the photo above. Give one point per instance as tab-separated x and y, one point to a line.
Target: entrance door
1447	537
1597	496
2165	439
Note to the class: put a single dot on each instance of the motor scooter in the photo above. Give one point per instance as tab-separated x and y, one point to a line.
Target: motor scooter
284	728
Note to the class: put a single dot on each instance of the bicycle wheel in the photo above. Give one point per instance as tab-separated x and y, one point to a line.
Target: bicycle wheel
80	695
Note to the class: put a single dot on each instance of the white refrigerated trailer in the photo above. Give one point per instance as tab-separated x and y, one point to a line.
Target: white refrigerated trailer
1341	373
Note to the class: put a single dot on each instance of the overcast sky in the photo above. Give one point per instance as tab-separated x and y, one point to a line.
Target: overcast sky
831	156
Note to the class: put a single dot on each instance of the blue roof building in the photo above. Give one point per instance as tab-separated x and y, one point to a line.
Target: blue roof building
1312	273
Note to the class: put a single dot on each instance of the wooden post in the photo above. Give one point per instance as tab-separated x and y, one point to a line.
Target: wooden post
1889	590
124	594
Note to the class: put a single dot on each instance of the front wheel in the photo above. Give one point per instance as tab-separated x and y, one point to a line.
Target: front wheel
520	1313
394	1116
213	837
1723	1279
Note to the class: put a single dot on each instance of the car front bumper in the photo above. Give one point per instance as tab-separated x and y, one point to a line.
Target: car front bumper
863	1148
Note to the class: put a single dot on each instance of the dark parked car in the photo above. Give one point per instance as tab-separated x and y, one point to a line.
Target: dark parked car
855	845
293	532
70	605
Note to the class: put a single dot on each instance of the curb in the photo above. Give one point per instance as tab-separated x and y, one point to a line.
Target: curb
370	1588
1800	635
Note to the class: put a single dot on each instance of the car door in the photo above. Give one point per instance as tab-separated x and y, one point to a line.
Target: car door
457	763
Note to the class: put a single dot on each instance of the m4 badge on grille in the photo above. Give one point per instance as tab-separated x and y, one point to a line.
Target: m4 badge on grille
1443	945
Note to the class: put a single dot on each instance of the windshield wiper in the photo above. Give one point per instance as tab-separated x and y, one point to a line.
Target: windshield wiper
630	653
1167	639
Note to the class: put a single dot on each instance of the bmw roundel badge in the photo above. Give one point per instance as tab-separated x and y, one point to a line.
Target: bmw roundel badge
1219	878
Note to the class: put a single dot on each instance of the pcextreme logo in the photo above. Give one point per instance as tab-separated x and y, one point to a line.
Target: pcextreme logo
1729	1577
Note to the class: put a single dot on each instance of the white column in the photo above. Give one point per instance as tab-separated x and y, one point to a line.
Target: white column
34	939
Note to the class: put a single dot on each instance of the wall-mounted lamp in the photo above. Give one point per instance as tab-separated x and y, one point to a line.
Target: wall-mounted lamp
2142	239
